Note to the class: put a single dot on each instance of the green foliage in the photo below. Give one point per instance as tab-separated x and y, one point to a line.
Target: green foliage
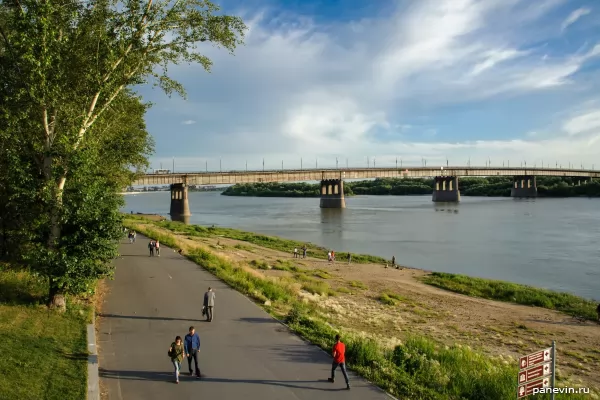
496	186
72	132
44	356
514	293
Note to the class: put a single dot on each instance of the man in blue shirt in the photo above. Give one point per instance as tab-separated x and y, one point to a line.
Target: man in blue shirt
191	345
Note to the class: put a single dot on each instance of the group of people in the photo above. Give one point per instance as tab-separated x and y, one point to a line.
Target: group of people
131	235
154	247
189	347
297	255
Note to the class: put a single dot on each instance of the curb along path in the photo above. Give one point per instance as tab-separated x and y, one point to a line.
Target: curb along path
93	380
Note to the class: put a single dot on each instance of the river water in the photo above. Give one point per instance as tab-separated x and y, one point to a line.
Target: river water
548	243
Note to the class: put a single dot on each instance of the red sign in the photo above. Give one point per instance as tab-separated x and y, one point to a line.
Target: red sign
527	389
535	373
535	358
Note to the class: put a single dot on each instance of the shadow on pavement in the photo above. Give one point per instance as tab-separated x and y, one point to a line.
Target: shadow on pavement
300	353
165	376
259	320
148	318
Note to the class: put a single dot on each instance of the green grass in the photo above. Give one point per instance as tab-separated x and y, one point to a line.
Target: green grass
244	247
358	285
390	299
321	288
269	242
417	369
43	355
513	293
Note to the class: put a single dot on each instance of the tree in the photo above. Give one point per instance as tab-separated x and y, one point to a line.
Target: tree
71	63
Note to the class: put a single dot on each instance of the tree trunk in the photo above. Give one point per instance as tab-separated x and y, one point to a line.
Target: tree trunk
56	295
57	300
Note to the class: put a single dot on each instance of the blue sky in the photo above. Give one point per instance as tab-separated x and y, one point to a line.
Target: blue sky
503	80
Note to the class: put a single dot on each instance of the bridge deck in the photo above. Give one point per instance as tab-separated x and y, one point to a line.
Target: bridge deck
233	177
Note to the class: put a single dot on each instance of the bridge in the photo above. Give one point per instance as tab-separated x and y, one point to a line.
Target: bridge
446	185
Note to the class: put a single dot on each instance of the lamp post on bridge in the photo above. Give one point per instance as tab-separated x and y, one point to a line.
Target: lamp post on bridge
346	163
206	165
220	169
300	163
282	165
336	163
263	164
373	162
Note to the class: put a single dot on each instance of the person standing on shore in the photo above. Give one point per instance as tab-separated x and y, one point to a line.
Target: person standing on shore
304	251
176	352
329	256
192	347
393	261
339	360
209	304
349	257
295	252
157	247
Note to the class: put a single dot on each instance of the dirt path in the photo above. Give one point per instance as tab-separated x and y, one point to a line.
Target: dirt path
500	329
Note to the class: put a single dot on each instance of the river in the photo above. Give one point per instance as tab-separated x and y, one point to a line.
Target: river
548	243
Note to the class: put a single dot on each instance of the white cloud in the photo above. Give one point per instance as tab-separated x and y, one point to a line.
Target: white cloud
584	123
354	89
574	16
188	122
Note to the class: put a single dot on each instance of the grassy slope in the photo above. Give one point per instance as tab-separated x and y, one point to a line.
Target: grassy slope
514	293
270	242
42	355
418	369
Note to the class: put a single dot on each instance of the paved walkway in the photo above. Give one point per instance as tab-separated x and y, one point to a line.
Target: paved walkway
244	352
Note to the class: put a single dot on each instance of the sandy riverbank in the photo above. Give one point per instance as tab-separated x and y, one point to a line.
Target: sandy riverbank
494	327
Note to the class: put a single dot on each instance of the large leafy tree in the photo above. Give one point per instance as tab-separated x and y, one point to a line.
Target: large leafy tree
70	65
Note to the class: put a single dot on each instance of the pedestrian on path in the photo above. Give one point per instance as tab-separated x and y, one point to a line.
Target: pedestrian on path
176	352
157	248
192	347
151	248
209	304
339	360
304	251
349	258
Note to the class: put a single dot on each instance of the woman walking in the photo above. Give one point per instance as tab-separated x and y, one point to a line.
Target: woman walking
176	352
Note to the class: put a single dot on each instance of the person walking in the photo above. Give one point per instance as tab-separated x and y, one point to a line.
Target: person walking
151	248
295	252
304	251
209	304
176	353
192	347
157	248
134	236
339	360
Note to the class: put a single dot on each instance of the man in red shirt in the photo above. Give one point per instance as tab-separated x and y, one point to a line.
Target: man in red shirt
339	359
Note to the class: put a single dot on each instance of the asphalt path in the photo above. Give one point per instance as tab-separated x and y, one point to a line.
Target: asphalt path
244	352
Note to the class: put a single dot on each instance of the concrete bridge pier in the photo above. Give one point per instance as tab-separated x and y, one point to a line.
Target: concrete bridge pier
524	186
446	190
332	193
180	206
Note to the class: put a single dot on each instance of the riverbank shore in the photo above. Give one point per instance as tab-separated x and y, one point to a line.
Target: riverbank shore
391	305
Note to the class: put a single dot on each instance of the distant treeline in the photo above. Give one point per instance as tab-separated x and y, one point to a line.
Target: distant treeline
497	186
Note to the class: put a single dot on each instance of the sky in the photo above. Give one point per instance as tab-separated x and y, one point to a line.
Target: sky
438	81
